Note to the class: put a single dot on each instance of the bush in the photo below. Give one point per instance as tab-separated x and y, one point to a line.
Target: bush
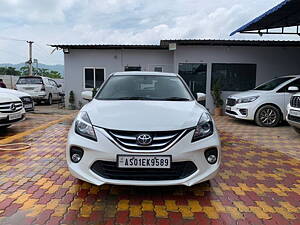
72	100
216	94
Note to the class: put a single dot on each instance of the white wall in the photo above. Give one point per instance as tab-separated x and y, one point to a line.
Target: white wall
112	61
271	61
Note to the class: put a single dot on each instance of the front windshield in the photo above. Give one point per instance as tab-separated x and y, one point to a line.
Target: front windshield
271	85
144	87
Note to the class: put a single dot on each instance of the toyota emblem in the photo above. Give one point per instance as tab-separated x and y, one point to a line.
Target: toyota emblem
144	139
13	107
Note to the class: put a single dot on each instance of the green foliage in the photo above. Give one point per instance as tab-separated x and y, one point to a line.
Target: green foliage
216	94
41	72
95	91
72	98
9	71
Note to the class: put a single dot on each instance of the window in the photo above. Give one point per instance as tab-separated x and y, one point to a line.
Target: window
295	83
156	88
234	77
93	77
158	69
133	68
30	80
272	84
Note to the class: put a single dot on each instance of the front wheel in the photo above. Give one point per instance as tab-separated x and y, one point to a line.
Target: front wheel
49	101
297	130
268	116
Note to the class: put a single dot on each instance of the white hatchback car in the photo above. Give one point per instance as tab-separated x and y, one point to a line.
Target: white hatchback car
11	110
266	104
293	116
144	128
40	88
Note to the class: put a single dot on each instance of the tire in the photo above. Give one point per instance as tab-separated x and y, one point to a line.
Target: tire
268	116
50	100
297	130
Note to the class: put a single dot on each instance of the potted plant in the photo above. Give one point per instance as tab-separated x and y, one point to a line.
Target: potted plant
72	100
218	101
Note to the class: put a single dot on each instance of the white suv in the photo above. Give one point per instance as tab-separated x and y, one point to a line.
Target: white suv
11	110
293	116
266	104
40	88
144	128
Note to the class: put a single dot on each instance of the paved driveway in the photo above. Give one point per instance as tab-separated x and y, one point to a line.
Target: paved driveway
259	183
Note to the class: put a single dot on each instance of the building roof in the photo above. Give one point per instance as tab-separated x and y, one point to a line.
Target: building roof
286	14
104	46
215	42
164	44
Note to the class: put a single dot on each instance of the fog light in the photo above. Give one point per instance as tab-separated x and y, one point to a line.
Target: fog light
76	158
76	154
211	155
212	159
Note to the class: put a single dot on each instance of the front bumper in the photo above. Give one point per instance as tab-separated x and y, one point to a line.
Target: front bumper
4	118
105	150
292	119
245	111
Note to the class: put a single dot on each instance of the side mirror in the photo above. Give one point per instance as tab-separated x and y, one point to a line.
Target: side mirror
201	97
293	89
87	95
59	85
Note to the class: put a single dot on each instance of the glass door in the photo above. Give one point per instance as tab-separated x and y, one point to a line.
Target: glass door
194	74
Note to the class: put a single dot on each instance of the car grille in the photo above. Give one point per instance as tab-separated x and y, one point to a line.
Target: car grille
110	170
231	102
231	112
26	100
294	118
160	139
295	101
7	107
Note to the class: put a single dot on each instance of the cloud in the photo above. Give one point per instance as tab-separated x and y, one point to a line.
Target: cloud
118	22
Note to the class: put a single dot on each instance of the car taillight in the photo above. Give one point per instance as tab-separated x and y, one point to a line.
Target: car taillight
43	88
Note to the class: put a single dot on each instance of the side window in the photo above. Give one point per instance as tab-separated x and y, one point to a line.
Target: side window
295	83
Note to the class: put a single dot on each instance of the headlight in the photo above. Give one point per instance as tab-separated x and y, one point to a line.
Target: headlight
84	127
204	127
247	99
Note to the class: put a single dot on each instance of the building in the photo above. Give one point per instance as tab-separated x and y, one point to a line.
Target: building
239	65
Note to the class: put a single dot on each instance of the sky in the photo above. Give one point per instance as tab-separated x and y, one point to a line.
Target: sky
118	22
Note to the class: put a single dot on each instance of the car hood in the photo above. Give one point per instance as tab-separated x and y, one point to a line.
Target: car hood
144	115
14	92
248	94
4	98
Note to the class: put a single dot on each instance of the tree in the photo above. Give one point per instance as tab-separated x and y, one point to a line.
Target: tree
9	71
41	72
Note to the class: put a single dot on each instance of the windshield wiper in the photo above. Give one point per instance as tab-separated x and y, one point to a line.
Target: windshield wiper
133	98
176	99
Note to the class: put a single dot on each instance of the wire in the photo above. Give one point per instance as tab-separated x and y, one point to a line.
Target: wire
11	39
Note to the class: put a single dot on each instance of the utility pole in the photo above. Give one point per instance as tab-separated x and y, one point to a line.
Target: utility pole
30	57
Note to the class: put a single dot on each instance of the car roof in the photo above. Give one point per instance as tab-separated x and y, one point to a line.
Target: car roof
138	73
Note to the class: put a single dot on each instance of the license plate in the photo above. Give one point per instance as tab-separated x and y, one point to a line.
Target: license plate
228	108
28	106
295	113
136	161
15	116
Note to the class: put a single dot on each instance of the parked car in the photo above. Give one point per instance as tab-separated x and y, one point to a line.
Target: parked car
266	104
40	88
25	98
144	128
11	110
293	116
